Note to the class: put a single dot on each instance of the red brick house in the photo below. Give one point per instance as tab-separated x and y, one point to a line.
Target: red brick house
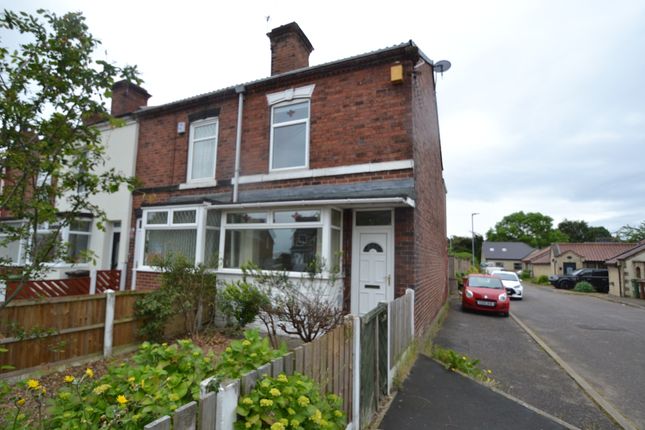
340	160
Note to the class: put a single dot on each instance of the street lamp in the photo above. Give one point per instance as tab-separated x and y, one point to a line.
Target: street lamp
472	230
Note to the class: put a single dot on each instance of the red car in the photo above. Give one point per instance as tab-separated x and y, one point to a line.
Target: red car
485	293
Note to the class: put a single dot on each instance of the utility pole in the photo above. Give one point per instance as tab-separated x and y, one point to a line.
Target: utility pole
472	230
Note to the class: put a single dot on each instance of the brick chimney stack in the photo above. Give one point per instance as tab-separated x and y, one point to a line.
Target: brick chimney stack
127	97
290	49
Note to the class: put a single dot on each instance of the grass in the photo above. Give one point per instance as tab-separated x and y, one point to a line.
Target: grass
462	363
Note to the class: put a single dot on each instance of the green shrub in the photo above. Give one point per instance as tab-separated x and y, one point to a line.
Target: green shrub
186	289
130	396
584	287
526	274
242	301
455	361
289	402
543	280
242	356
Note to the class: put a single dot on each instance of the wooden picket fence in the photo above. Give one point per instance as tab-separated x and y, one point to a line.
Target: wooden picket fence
47	331
401	325
328	360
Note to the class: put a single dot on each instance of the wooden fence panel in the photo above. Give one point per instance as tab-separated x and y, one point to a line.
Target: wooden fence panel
400	326
46	331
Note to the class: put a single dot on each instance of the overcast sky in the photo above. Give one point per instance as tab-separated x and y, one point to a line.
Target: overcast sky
543	109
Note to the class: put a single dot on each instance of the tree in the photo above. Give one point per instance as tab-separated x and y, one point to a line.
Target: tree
461	245
51	88
580	231
627	233
532	228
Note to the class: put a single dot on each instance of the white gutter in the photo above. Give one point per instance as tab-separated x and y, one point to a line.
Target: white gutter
404	201
238	139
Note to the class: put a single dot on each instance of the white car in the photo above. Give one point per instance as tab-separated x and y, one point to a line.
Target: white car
511	282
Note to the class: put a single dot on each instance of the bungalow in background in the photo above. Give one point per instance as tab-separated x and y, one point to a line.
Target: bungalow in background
507	255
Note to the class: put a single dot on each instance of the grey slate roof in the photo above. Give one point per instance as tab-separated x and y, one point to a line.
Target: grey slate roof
505	250
358	190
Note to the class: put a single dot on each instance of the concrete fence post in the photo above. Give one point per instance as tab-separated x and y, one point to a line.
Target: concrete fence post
110	301
356	403
411	292
123	269
93	281
390	336
227	398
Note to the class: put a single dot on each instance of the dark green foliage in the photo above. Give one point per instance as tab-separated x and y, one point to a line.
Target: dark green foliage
584	287
543	280
242	301
580	231
532	228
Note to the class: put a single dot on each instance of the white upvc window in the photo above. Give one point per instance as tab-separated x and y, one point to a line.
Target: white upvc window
170	231
280	239
290	135
202	150
12	252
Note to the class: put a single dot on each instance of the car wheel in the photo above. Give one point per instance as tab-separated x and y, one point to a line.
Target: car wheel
567	285
505	314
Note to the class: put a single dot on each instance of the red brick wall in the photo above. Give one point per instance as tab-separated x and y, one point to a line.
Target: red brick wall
148	281
356	117
431	255
404	249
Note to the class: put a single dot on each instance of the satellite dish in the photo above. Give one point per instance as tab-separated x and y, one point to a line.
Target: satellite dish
442	66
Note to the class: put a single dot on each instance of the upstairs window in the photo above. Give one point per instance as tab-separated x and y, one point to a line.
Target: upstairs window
202	150
290	135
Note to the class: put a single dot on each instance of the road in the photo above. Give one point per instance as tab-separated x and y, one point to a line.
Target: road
520	367
602	341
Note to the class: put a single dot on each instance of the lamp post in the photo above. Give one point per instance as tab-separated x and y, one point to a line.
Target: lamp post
472	230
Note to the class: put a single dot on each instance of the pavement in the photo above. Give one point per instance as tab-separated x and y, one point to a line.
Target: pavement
461	403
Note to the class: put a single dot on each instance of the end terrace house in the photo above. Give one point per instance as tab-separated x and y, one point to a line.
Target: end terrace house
340	161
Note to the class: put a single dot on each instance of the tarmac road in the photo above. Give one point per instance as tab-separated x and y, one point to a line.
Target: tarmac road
602	341
519	365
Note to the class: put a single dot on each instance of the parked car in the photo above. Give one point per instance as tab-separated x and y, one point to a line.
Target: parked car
599	278
485	293
512	283
490	269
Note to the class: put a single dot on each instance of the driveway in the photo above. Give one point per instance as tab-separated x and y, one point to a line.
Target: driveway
519	365
602	341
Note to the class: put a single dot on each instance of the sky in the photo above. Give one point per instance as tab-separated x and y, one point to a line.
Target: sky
543	109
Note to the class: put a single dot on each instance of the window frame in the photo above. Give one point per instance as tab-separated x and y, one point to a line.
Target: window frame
272	125
191	142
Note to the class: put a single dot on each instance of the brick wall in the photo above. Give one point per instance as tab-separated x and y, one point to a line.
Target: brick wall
356	117
404	249
431	255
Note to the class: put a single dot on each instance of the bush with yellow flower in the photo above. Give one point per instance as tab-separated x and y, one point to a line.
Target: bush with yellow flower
289	402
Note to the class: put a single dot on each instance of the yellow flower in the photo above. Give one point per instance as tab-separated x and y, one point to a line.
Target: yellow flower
229	350
464	357
121	399
246	343
274	392
291	411
33	384
89	372
69	378
338	413
282	378
43	390
284	421
265	383
489	371
131	379
277	426
266	402
20	401
142	383
295	423
248	424
316	416
247	401
303	401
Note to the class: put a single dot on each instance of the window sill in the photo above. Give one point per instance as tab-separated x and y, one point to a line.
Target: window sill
203	184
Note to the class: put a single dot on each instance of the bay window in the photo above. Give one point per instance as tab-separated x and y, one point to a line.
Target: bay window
273	239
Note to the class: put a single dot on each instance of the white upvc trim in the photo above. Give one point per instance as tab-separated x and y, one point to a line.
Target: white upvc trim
328	171
290	94
306	123
405	201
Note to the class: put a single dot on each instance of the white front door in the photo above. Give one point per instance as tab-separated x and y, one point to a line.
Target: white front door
373	276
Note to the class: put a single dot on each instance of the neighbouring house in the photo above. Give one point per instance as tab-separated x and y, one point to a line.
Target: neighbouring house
507	255
109	246
567	257
627	272
538	262
340	161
